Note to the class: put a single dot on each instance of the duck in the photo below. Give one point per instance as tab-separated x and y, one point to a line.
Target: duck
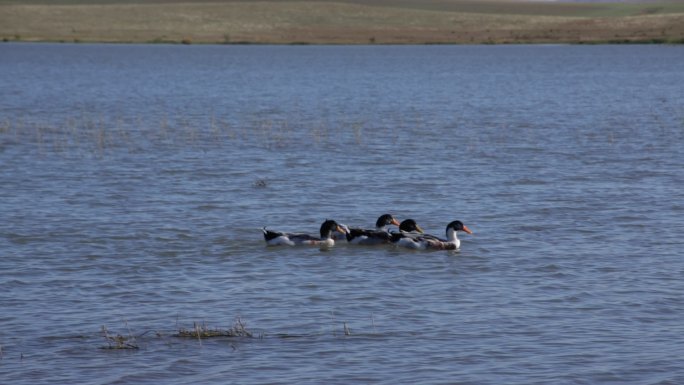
375	236
408	231
274	238
431	242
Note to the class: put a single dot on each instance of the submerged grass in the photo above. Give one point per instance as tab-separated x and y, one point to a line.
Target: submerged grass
98	136
233	335
200	331
89	136
118	341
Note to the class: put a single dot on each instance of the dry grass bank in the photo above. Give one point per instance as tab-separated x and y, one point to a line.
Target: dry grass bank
338	22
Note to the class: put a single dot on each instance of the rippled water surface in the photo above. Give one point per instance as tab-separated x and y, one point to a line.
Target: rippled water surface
135	180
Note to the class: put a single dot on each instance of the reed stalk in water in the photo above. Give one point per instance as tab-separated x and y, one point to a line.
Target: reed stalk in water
199	331
118	341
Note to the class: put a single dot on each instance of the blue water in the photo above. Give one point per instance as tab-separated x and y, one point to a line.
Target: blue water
135	180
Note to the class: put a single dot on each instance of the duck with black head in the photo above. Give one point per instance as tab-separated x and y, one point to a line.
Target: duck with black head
431	242
408	231
275	238
379	235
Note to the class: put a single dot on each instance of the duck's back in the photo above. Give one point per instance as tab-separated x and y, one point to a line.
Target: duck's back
367	237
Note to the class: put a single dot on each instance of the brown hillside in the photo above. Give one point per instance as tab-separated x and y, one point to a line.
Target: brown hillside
343	22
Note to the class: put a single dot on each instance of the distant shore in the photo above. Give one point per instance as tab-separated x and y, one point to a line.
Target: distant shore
339	22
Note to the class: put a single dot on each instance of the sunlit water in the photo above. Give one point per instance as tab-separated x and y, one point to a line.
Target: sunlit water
134	181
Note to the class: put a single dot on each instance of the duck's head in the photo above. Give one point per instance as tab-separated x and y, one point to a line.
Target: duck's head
409	225
386	220
458	226
329	226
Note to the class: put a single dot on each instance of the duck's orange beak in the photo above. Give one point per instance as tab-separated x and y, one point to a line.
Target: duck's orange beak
395	222
466	229
418	229
341	229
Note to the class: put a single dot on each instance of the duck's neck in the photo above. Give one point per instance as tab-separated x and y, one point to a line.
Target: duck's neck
326	240
381	228
452	237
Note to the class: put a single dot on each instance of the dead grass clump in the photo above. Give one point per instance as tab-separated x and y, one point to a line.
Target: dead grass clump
203	331
118	341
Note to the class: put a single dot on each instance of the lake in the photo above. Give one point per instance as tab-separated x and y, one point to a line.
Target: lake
136	180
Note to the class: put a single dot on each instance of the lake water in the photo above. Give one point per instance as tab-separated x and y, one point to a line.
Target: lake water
135	180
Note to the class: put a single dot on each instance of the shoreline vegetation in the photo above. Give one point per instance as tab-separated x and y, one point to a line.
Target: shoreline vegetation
341	22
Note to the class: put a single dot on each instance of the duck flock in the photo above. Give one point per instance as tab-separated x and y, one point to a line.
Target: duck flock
410	235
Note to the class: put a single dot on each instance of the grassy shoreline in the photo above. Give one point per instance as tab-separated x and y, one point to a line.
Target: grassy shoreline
340	22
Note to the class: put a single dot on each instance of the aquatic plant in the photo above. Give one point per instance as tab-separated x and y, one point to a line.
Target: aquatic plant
118	341
203	331
260	183
92	134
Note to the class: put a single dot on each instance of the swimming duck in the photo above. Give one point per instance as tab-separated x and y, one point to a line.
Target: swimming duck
375	236
432	242
408	231
274	238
